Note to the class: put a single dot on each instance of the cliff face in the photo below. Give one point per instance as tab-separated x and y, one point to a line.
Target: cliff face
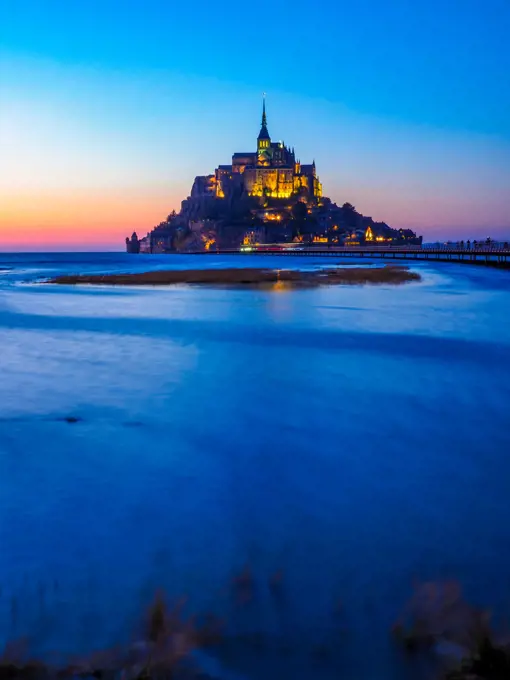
211	235
196	208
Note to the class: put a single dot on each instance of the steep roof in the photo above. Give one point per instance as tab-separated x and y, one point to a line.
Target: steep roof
263	134
381	229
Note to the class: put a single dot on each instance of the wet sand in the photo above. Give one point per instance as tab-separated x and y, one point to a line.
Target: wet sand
294	278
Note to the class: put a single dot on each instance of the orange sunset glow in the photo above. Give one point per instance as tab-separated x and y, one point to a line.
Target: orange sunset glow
88	218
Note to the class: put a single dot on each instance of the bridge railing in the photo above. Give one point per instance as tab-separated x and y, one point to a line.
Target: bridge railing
442	247
430	247
459	249
494	246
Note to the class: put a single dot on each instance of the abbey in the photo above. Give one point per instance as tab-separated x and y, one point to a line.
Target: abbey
271	171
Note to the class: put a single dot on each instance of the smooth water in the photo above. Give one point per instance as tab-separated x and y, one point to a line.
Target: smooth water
354	437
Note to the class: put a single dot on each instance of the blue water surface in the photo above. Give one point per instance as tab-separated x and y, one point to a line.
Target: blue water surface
352	437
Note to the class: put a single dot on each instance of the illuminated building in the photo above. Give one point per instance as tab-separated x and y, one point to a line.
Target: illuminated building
271	171
379	232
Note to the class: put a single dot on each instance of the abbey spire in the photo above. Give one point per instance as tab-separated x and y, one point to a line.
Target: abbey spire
264	134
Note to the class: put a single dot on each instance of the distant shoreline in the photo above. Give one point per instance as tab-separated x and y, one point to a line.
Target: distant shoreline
388	274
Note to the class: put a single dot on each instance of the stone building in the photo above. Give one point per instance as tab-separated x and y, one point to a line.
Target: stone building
271	171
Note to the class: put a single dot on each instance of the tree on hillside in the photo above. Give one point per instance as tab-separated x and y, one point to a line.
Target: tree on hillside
302	224
350	215
299	211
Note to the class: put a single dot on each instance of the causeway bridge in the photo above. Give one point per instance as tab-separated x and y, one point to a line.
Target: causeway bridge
494	255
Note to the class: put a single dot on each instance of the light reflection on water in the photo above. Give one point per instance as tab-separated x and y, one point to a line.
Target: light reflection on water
353	437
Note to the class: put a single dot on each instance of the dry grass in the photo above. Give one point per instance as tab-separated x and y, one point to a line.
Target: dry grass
249	277
163	650
169	644
438	618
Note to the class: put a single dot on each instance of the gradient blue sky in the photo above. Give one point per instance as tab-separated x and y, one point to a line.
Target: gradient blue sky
109	109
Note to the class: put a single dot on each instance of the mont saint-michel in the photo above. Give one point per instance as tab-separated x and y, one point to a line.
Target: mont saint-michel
264	196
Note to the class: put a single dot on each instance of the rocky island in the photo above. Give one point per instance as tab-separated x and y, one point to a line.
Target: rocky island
263	196
293	278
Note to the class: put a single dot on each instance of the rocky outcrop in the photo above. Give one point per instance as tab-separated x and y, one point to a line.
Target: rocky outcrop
207	221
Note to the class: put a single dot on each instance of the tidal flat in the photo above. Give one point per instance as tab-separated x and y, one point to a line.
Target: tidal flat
251	277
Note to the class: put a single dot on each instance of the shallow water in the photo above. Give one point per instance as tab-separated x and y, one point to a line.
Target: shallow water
353	437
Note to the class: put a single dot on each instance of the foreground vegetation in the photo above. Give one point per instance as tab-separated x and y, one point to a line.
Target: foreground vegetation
437	622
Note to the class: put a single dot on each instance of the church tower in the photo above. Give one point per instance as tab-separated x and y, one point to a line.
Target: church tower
263	140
